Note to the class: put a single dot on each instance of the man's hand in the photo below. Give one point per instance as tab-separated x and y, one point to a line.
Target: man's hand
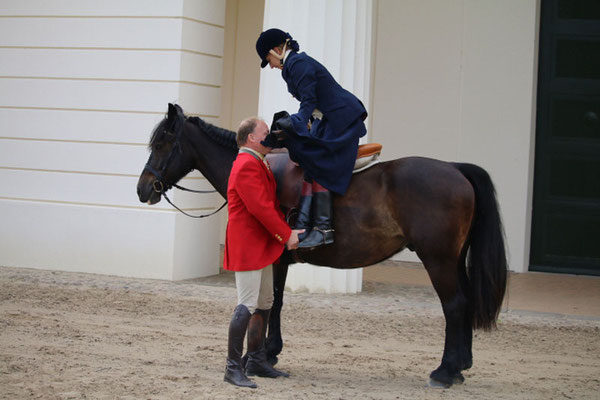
292	242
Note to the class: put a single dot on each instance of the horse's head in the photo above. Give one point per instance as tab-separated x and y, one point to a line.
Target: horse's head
168	162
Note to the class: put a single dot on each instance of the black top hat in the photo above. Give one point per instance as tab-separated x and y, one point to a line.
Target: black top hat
267	40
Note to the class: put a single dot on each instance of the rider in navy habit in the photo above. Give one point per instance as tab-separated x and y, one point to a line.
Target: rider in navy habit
322	137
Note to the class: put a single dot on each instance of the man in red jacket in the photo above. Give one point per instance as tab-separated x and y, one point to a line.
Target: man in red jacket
256	236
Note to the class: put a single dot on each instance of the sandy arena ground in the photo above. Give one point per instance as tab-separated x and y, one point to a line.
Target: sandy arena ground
82	336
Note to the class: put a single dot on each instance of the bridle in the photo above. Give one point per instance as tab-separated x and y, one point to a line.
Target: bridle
160	186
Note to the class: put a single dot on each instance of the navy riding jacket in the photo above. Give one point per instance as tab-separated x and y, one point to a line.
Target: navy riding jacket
327	151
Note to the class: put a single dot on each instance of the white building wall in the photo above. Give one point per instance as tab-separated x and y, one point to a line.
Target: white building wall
456	80
82	84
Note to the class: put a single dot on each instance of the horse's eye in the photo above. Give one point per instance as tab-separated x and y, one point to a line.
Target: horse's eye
158	146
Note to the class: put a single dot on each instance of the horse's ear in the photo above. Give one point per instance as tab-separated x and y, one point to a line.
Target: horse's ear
172	113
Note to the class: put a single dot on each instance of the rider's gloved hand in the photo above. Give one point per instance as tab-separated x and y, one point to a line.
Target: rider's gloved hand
280	129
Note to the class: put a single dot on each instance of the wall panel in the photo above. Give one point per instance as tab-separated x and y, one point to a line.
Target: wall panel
82	85
122	33
202	38
212	11
92	64
498	108
157	8
416	101
94	189
95	126
209	11
70	156
102	240
202	69
79	125
455	80
196	247
108	95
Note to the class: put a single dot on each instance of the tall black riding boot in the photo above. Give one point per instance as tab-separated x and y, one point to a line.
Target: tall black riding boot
257	363
322	232
234	372
303	221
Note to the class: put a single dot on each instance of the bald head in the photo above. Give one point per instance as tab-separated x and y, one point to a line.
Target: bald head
246	127
251	133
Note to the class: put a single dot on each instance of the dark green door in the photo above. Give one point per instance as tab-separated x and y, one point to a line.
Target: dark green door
566	201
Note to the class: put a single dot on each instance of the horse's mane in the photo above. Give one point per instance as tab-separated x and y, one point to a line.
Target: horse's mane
224	137
174	126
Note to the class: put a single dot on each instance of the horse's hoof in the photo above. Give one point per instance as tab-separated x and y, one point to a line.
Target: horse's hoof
437	384
458	379
273	347
467	364
441	379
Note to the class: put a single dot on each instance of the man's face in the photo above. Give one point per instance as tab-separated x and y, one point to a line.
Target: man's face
258	135
274	62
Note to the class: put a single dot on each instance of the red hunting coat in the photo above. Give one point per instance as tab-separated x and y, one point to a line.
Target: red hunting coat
256	230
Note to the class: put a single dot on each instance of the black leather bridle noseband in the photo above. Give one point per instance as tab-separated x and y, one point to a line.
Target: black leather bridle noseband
160	186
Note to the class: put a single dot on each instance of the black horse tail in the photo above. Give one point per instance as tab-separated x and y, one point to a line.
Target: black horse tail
486	258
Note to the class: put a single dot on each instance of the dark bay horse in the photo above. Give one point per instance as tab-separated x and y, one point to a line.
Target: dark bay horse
446	212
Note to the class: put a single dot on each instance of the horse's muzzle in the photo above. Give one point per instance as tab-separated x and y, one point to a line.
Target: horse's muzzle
147	193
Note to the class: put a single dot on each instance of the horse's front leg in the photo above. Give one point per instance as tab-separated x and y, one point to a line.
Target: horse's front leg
274	342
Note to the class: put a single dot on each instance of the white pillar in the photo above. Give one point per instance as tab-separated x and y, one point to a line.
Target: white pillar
79	97
338	34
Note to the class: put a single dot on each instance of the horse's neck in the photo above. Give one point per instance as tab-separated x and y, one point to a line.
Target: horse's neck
213	160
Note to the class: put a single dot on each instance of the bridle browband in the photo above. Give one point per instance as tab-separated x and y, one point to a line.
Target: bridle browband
159	185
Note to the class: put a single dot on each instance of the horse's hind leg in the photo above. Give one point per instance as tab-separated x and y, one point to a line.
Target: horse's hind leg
467	334
274	342
445	276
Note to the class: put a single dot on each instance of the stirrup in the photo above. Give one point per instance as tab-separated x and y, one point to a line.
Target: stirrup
327	238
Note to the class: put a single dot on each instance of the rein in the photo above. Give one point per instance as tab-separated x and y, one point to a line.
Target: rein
164	194
161	188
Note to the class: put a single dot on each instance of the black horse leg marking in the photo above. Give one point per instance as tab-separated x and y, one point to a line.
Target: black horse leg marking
274	342
454	306
454	346
467	333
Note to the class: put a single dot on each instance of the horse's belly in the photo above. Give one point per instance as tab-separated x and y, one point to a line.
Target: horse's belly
364	235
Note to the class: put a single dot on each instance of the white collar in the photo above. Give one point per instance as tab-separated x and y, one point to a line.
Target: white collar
261	156
287	53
